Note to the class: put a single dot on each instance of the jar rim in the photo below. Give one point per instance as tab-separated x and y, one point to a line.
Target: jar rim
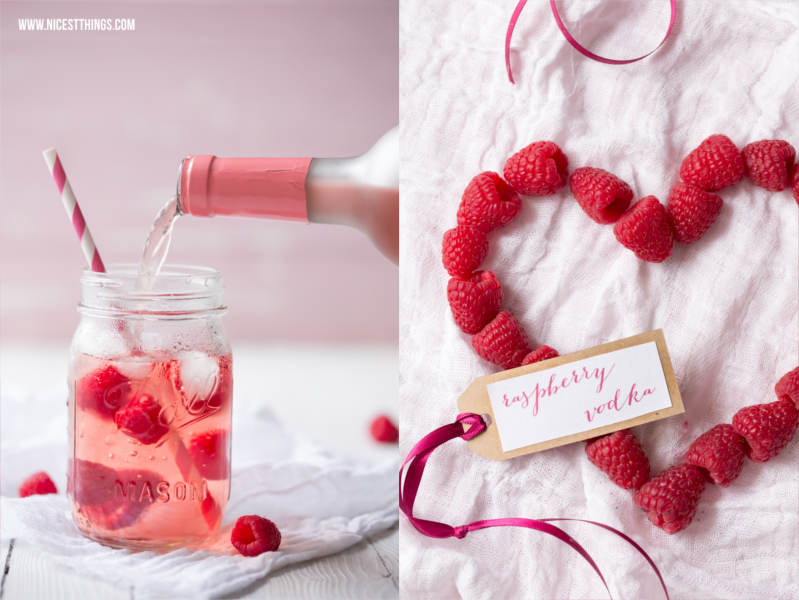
176	291
171	276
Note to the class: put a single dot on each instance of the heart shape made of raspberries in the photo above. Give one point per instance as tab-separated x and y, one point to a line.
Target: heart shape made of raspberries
650	230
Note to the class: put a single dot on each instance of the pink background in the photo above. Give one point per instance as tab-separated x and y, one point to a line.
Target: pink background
230	79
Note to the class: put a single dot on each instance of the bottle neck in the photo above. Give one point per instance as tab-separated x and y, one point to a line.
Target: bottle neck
267	188
293	189
335	191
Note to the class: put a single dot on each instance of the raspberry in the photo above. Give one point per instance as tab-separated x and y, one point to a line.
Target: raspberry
621	457
383	430
38	483
795	184
94	483
107	498
539	354
719	453
671	498
787	387
769	163
714	165
103	392
253	535
474	301
488	203
602	195
209	453
537	170
502	342
645	229
767	428
141	418
464	249
692	212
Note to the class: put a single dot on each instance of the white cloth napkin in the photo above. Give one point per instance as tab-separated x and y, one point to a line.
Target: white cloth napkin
727	304
322	504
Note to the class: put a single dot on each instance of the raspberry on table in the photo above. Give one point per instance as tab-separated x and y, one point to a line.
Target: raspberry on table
488	203
670	499
502	342
463	250
103	392
537	170
692	212
720	453
646	230
621	457
253	535
208	451
768	428
795	184
539	354
140	419
383	430
474	301
769	163
37	484
715	164
603	196
787	387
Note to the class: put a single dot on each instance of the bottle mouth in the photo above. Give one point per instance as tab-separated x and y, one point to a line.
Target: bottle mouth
178	291
177	192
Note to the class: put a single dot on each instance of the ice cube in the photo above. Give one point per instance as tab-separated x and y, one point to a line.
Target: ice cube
199	376
134	368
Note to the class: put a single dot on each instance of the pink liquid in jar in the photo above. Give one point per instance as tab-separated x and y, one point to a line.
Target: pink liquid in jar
149	428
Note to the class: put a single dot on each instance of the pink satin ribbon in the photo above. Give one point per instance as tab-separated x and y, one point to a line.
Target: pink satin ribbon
572	41
416	462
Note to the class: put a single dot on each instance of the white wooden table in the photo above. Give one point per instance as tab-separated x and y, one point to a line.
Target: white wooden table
262	372
367	570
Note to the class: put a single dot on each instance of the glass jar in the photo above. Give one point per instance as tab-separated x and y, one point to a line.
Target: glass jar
150	390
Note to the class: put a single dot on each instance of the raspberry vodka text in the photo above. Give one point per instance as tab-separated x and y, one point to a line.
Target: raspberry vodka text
552	388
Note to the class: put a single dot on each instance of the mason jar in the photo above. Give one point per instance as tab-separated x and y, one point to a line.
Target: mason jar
150	389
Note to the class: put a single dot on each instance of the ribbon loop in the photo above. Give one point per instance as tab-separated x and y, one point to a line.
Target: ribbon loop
476	423
608	61
416	462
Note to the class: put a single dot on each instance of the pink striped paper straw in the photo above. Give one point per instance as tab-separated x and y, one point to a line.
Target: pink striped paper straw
73	210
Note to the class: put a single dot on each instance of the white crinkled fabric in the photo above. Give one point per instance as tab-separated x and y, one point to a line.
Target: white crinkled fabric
321	503
727	304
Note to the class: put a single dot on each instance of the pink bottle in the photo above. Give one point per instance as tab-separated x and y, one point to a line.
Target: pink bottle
360	192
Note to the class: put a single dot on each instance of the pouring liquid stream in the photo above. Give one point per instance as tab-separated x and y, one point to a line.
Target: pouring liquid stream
158	240
155	250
